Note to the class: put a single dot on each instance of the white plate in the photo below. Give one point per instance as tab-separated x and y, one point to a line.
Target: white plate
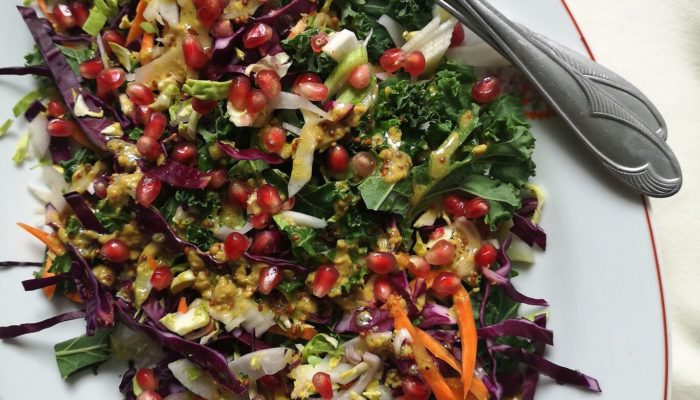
599	273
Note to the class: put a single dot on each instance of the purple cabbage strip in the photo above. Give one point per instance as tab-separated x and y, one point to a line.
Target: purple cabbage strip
560	374
517	327
60	149
13	331
529	232
528	207
39	70
180	175
276	262
283	18
65	79
72	38
224	48
94	103
153	309
8	264
250	154
249	339
399	281
82	210
34	109
208	359
436	315
378	321
40	283
531	377
99	306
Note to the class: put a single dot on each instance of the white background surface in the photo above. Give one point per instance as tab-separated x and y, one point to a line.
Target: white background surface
656	45
606	324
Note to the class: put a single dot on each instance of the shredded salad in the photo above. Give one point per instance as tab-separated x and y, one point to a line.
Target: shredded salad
260	199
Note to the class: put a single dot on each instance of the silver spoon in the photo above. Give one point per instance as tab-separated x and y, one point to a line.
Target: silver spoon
612	118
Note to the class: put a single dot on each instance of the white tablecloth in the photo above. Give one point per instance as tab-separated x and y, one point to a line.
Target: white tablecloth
656	45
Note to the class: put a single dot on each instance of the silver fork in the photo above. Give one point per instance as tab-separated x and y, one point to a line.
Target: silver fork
613	118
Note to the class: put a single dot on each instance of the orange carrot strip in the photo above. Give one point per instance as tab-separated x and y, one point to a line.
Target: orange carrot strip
152	263
307	333
49	291
135	30
52	241
467	332
426	366
48	14
438	349
182	305
74	297
146	53
478	390
455	385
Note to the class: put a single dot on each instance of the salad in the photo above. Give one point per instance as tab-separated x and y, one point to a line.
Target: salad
260	199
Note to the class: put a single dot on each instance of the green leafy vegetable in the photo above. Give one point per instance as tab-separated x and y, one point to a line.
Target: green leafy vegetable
80	157
379	195
61	264
111	219
207	90
22	147
360	16
412	14
73	226
82	352
26	101
303	56
76	56
321	345
199	236
5	127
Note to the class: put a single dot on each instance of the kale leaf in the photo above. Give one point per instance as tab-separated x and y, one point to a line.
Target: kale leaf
299	49
80	157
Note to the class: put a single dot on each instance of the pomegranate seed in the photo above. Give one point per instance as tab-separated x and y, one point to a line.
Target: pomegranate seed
55	109
364	164
318	41
194	54
337	159
208	11
270	278
454	205
289	204
382	288
441	253
149	395
269	82
115	251
392	59
269	381
256	101
265	243
457	35
324	386
414	389
64	16
155	126
260	220
221	29
140	94
485	256
61	128
111	36
91	68
235	245
162	278
273	139
111	78
217	178
100	188
146	379
239	192
203	106
147	190
437	233
325	278
256	36
446	284
418	266
381	262
143	114
148	147
184	152
312	91
80	12
239	92
414	63
476	208
486	90
360	76
269	199
307	77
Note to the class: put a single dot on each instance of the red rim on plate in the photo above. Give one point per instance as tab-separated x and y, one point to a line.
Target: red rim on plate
647	214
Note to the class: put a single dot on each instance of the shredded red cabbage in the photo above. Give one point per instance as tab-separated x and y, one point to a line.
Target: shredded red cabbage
250	154
529	232
180	175
13	331
39	70
99	306
40	283
517	327
82	210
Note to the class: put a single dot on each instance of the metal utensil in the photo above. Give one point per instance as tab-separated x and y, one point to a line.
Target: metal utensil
611	116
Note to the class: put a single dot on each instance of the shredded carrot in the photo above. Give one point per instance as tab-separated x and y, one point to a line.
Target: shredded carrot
455	385
52	241
48	14
152	263
49	291
306	333
135	30
146	53
478	390
182	305
433	346
426	366
74	297
467	332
